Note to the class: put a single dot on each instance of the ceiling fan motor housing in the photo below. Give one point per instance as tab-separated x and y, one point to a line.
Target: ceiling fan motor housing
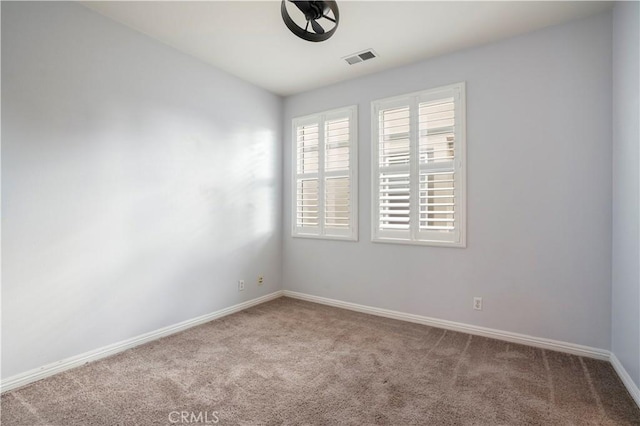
316	10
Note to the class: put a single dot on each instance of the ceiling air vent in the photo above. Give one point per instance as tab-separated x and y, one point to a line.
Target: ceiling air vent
365	55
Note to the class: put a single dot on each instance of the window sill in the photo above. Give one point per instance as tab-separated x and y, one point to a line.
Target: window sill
326	237
419	242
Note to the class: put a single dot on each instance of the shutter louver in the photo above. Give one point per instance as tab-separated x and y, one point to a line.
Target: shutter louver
437	201
337	145
307	203
337	203
437	131
308	149
394	146
394	200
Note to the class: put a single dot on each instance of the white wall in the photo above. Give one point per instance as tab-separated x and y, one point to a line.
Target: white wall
138	184
625	342
136	189
539	192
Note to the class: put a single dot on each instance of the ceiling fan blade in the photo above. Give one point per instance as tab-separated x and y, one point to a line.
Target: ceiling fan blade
316	27
329	18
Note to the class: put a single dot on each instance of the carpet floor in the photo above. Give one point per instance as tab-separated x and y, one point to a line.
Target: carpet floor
293	362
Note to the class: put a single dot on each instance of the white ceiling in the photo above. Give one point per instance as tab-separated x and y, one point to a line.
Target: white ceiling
250	40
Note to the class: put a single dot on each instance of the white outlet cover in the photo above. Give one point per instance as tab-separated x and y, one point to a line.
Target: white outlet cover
477	303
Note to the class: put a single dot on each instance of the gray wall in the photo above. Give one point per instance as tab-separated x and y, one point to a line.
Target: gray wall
138	184
539	192
626	188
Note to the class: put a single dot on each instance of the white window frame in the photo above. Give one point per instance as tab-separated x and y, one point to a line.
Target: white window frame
456	238
320	232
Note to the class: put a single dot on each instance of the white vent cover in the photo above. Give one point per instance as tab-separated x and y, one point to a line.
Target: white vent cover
365	55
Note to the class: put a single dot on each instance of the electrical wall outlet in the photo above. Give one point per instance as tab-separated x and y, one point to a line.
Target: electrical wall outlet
241	285
477	303
260	280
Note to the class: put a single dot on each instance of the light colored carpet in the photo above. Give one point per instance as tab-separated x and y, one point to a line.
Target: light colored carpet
294	362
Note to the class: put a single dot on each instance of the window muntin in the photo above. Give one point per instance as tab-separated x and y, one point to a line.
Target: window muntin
325	181
418	168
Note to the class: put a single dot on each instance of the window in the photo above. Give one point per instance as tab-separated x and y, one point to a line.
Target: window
325	188
419	168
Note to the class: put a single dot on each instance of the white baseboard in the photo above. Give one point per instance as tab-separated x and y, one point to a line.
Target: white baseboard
633	389
539	342
75	361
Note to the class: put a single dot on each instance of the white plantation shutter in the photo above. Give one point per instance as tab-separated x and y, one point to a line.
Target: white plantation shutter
418	168
325	175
